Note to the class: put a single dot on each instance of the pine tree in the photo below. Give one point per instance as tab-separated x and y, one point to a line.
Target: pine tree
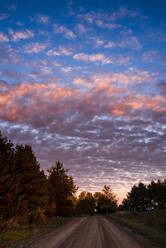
30	183
6	179
61	190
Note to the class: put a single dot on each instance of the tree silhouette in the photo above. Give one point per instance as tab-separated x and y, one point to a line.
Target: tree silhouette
61	190
142	197
6	179
85	203
106	200
157	193
30	183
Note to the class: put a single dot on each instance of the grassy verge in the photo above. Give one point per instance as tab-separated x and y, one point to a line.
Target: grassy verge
151	225
15	235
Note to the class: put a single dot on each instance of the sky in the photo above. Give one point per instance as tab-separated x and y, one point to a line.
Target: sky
84	82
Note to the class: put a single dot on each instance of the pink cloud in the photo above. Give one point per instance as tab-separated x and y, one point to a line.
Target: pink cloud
64	30
65	50
21	35
3	37
34	47
88	17
53	52
60	51
132	42
110	44
120	13
99	57
43	19
66	69
81	28
150	56
100	94
101	24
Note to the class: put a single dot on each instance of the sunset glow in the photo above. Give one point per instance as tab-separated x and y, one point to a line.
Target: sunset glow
84	82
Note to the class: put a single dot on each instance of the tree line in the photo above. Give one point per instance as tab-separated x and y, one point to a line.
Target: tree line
25	190
146	197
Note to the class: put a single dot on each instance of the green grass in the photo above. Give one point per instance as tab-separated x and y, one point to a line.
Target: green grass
14	235
151	225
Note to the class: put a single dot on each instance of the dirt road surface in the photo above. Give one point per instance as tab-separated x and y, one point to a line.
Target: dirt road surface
88	232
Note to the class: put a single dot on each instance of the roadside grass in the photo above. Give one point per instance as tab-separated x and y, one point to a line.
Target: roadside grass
9	236
151	224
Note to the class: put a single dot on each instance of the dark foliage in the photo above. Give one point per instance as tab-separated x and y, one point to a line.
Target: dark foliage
106	201
6	177
85	203
146	197
61	191
101	202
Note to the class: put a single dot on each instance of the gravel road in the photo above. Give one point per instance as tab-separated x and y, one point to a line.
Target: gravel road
88	232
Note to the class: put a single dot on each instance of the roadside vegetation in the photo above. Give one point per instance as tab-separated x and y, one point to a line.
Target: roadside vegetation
18	229
31	202
144	211
150	224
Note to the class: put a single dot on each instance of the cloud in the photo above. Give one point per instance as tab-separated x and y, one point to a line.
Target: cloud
20	24
53	52
4	85
34	47
3	37
106	19
60	51
45	70
103	118
56	64
120	13
161	86
98	42
101	24
150	56
43	19
65	50
66	69
110	44
99	57
126	32
133	76
60	29
81	28
21	35
3	16
132	42
12	7
123	12
125	42
122	60
97	126
103	97
8	54
10	73
88	17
